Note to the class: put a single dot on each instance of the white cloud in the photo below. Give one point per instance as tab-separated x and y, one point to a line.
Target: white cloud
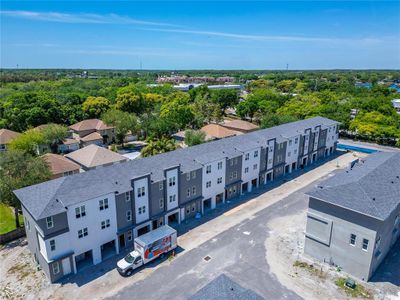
78	18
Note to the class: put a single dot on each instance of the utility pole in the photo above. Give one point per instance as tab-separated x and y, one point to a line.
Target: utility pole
287	67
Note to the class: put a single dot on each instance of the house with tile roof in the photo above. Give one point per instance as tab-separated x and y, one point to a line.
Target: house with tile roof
353	217
64	216
93	156
93	131
240	125
217	131
6	136
60	166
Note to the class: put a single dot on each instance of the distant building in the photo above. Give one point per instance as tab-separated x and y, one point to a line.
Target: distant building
240	125
93	131
367	85
395	86
353	217
396	105
68	145
93	156
60	166
6	136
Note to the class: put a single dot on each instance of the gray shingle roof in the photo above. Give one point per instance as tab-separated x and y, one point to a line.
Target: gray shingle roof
40	199
224	288
371	187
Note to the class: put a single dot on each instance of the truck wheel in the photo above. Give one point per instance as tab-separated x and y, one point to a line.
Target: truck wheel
129	272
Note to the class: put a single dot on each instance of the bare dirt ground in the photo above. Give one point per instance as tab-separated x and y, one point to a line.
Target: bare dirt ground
285	246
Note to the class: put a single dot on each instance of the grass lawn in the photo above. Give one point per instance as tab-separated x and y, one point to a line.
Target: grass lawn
7	220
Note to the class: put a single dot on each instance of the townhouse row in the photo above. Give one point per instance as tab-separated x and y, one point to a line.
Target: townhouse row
79	220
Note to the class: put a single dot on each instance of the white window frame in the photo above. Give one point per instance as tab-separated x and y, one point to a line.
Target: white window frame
129	215
365	242
208	169
219	165
52	244
219	180
56	268
353	241
161	203
103	204
127	196
49	222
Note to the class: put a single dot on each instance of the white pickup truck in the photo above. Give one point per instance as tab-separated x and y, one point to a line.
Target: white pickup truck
147	248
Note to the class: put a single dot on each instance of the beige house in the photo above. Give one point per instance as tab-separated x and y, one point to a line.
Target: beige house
240	125
84	131
6	136
216	131
60	166
93	156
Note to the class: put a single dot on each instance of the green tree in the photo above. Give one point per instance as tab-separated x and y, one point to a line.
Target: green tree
225	98
54	134
178	111
95	106
29	141
158	146
247	108
130	102
301	107
194	137
206	112
123	123
17	170
271	120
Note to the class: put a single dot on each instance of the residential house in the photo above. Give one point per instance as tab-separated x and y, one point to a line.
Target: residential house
396	105
240	125
60	166
217	131
75	221
93	156
6	136
68	145
93	131
353	217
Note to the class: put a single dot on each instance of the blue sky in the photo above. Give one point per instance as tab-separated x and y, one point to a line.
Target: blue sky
200	34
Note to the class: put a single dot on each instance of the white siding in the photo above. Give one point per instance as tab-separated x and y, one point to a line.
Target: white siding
141	202
270	162
292	149
252	172
215	188
92	221
172	191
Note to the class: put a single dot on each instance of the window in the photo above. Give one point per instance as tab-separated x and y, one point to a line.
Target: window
231	163
219	180
82	232
246	170
103	204
129	215
193	207
129	234
193	190
80	211
290	142
141	192
56	268
231	176
365	244
270	161
162	203
127	197
271	149
235	174
255	167
49	222
353	239
295	151
296	140
208	184
172	198
172	181
188	176
378	242
220	165
236	161
140	210
193	174
247	156
188	209
255	153
52	245
208	169
188	193
161	186
105	224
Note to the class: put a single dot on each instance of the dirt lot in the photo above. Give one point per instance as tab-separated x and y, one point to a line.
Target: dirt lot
285	246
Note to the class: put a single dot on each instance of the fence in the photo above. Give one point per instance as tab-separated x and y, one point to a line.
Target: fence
12	235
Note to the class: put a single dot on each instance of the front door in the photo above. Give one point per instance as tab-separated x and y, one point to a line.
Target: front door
66	264
122	241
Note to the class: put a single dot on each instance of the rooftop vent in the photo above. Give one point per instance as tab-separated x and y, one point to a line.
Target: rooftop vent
373	199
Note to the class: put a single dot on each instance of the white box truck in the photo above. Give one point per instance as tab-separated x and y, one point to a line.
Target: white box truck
147	248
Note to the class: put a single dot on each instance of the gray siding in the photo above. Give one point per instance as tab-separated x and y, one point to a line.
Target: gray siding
322	138
191	208
230	169
185	184
122	206
281	153
233	191
156	195
60	224
263	159
333	245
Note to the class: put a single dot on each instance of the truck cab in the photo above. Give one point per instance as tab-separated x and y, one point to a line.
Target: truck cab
129	263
